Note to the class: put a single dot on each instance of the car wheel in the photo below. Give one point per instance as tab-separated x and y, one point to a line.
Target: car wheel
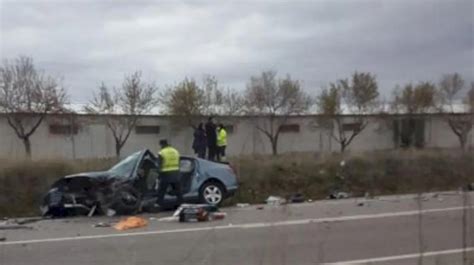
126	201
212	193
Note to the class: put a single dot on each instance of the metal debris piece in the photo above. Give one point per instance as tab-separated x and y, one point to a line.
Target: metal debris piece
110	212
92	211
242	205
102	224
296	198
275	200
339	195
169	219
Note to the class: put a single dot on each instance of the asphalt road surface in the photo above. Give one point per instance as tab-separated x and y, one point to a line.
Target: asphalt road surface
381	231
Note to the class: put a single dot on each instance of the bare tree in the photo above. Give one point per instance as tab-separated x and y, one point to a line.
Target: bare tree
232	102
188	102
273	102
412	101
27	96
219	100
450	86
122	107
359	96
185	102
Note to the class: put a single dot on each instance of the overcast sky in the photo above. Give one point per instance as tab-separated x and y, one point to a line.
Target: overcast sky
87	42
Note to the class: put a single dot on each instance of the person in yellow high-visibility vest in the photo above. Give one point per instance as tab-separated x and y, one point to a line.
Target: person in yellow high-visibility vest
169	172
221	142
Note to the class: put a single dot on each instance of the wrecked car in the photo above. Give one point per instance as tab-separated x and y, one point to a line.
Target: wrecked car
132	184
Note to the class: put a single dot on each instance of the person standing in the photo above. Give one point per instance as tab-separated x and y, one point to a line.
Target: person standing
221	142
200	141
211	134
169	172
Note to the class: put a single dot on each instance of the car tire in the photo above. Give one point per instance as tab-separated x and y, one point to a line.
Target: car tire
126	200
212	193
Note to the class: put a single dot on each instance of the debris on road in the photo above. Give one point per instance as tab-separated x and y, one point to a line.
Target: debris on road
3	239
296	198
438	197
92	211
169	219
275	200
242	205
339	195
260	207
102	224
110	213
197	213
218	216
130	223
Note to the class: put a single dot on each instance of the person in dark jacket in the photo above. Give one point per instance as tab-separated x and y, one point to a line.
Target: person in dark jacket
211	133
200	141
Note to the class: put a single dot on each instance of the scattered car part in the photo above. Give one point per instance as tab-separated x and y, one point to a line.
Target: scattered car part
275	200
102	224
296	198
130	223
339	195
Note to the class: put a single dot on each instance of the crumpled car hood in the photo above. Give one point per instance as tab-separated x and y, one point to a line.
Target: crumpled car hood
99	175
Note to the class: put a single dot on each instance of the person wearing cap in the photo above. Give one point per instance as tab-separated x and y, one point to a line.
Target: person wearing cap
169	172
221	142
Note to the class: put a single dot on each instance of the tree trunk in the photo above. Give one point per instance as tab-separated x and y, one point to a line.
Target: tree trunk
118	149
462	142
343	147
27	144
274	142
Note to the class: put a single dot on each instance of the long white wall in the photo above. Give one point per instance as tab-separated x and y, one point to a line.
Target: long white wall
94	139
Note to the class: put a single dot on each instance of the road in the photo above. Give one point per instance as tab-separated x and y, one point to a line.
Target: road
382	231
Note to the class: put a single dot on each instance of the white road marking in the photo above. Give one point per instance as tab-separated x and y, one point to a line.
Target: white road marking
401	257
237	226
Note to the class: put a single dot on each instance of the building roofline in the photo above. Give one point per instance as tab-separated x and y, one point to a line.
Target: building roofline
254	116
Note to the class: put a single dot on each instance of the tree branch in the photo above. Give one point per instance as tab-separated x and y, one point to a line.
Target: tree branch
15	128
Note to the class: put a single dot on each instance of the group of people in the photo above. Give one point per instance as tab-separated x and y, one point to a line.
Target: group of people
210	139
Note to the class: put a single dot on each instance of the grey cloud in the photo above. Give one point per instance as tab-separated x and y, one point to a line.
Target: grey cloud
315	41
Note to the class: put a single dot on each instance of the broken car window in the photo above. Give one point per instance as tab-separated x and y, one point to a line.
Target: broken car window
125	167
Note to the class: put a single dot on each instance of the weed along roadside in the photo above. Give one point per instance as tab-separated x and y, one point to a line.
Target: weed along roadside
314	177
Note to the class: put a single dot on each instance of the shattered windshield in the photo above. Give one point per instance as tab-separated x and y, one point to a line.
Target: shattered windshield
125	167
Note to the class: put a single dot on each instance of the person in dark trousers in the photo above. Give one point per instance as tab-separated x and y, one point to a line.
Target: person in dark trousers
221	143
200	141
211	134
169	172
